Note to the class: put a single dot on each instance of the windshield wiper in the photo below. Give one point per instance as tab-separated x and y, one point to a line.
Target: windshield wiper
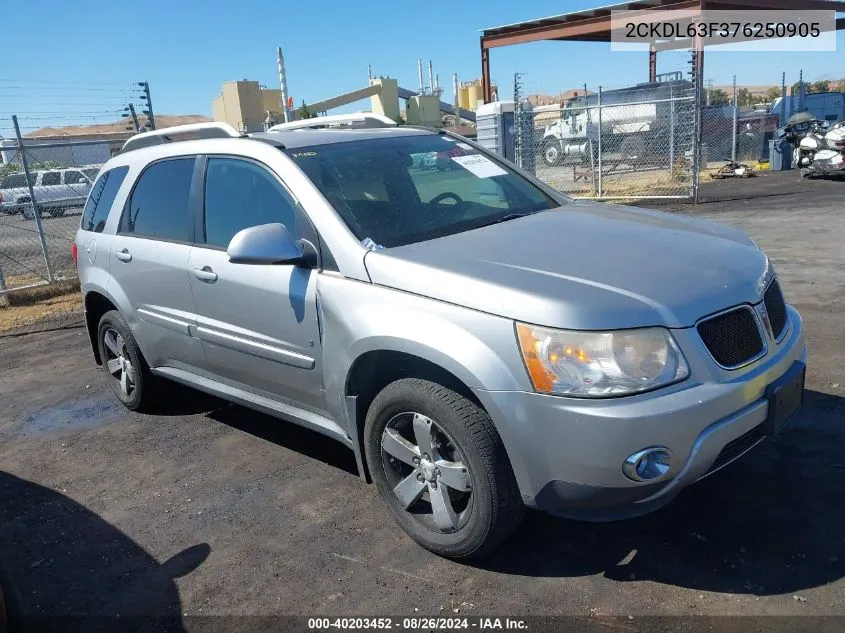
505	218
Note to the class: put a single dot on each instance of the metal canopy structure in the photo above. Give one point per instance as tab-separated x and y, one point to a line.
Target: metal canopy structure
594	25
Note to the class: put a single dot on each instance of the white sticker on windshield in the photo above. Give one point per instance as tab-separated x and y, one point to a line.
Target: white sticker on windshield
465	146
480	165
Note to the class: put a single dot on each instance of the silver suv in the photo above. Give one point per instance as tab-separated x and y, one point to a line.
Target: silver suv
481	342
56	191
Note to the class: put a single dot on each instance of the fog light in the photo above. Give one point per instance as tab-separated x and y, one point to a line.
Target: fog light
648	464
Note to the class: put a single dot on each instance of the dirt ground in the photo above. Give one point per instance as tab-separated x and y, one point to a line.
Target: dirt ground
211	509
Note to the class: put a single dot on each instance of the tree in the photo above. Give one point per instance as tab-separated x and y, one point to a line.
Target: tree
719	97
796	87
744	97
304	113
772	94
820	86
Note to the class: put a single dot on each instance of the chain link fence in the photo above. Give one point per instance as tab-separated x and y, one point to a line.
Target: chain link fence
44	183
613	144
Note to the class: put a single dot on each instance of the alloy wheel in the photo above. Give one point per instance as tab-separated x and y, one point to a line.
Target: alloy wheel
427	472
118	362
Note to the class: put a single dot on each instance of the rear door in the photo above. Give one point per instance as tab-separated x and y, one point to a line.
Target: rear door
150	263
258	323
49	189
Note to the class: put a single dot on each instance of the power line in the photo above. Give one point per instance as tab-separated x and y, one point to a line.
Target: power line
65	81
53	88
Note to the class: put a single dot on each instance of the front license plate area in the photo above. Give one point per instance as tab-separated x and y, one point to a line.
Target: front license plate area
785	396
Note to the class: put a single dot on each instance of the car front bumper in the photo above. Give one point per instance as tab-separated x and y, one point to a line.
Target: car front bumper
567	453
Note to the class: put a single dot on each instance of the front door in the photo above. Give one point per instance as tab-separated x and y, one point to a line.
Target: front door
149	264
258	323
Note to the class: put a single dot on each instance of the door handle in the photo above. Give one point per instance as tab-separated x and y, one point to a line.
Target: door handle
205	274
124	255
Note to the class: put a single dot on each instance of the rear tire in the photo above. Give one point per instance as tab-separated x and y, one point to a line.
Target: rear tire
552	153
460	498
126	369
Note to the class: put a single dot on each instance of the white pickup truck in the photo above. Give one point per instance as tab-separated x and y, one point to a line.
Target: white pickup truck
56	191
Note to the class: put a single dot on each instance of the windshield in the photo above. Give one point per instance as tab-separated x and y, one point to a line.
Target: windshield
403	189
13	181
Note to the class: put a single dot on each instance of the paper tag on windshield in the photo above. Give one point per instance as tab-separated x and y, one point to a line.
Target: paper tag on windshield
465	146
480	165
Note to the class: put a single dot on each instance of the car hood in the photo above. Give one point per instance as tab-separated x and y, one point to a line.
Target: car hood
584	265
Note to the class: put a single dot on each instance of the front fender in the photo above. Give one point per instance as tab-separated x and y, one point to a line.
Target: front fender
479	349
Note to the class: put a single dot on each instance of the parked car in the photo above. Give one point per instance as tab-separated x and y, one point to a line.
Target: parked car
56	191
480	354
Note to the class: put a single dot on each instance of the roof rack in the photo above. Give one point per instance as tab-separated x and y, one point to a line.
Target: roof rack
191	131
356	120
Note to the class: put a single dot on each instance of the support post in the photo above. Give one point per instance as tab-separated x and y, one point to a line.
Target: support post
4	297
487	88
134	116
783	100
601	184
652	64
25	165
735	122
698	52
672	132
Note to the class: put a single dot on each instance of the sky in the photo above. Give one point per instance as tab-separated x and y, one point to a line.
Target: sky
81	62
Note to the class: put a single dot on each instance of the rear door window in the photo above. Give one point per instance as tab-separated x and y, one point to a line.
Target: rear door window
159	206
101	199
51	178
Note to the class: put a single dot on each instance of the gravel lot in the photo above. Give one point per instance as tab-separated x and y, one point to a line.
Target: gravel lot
212	509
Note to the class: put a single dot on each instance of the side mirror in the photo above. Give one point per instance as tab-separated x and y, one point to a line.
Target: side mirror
267	244
825	124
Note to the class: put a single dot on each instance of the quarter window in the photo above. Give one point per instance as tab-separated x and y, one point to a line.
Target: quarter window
101	199
159	205
240	194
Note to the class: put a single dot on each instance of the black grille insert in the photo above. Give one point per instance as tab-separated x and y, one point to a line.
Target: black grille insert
738	446
732	338
776	308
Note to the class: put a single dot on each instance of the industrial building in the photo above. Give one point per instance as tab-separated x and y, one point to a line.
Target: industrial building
249	106
246	105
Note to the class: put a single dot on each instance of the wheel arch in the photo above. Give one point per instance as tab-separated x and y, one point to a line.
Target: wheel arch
372	370
97	303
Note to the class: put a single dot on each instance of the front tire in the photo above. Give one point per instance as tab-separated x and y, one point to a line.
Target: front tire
126	370
441	468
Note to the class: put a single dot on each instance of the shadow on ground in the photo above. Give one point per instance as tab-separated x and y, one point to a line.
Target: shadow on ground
72	571
770	523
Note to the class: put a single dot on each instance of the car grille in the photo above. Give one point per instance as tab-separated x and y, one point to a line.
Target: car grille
776	308
737	447
732	338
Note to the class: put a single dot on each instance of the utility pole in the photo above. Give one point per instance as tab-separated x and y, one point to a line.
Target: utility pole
709	88
149	111
131	109
283	84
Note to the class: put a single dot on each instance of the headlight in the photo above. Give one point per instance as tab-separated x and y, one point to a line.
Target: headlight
597	364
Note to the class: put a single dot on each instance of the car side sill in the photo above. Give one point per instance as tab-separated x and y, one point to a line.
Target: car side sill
277	409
